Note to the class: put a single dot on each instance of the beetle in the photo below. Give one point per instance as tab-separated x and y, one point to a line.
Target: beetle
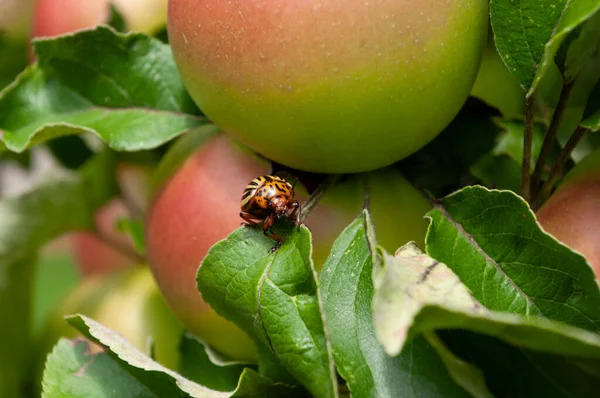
267	198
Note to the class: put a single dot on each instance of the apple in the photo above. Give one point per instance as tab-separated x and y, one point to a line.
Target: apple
200	205
93	255
329	86
496	85
572	214
127	302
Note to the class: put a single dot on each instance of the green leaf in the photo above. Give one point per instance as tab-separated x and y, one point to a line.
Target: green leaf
501	172
135	230
273	297
518	372
529	33
415	293
111	69
591	115
521	29
347	291
73	371
178	153
123	88
510	141
583	50
116	20
205	367
59	205
492	241
152	376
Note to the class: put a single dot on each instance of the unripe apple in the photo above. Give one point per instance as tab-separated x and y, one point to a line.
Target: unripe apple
329	86
127	302
496	85
572	214
200	205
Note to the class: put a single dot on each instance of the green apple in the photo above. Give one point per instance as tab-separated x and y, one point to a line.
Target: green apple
199	205
329	86
572	214
496	85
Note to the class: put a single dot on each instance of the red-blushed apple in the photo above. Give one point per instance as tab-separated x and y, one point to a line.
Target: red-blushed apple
93	256
572	214
200	205
332	86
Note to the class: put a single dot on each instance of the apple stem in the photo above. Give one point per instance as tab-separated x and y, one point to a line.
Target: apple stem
557	169
527	142
550	137
317	194
118	246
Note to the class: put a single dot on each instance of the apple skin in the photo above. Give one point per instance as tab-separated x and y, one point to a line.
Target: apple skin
496	85
200	204
572	214
333	87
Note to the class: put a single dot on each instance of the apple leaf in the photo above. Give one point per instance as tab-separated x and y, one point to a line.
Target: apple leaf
415	293
591	114
501	172
492	241
134	228
347	290
72	370
528	33
580	51
205	367
273	297
124	88
58	205
518	372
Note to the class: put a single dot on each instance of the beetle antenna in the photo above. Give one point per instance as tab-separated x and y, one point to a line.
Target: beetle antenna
294	184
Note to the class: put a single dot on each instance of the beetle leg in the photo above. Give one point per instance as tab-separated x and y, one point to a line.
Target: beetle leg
268	224
249	218
296	212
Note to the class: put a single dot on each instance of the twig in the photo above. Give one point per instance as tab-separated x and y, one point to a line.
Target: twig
557	169
550	137
317	194
527	142
120	247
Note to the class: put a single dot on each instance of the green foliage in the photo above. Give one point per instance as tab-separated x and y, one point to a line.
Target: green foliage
273	297
491	240
491	306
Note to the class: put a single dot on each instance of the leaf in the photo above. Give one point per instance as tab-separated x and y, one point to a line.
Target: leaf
510	141
591	115
59	205
273	297
347	290
203	366
492	241
178	153
124	88
517	372
415	293
529	33
521	29
71	369
583	50
135	230
501	172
